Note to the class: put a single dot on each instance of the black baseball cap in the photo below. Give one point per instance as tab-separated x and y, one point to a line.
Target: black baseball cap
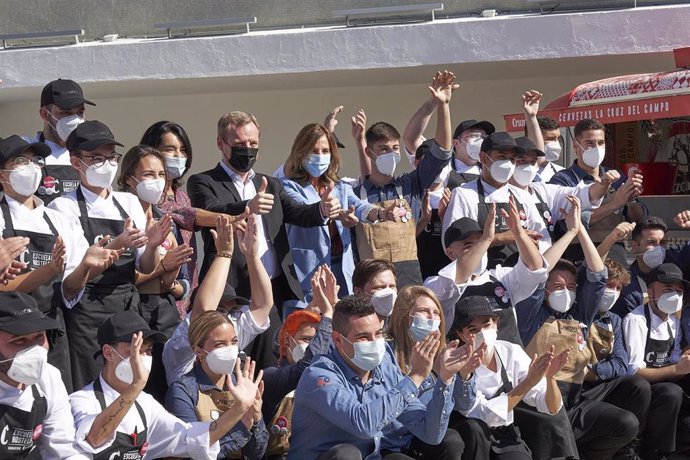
667	273
469	124
66	94
14	146
121	326
501	141
89	136
469	308
529	146
229	294
19	314
461	229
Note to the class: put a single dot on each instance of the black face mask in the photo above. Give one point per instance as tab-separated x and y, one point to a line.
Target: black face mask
242	159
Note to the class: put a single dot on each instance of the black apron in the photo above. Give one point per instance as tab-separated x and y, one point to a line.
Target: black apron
57	180
127	446
456	178
657	353
432	257
111	292
498	253
506	438
497	295
48	296
545	214
21	431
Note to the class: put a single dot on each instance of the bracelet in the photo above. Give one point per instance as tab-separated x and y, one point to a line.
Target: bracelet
226	254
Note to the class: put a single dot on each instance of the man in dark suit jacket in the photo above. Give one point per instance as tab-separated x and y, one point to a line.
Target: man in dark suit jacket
232	186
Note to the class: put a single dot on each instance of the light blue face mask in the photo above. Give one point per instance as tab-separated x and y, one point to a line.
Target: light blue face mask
175	166
421	327
317	165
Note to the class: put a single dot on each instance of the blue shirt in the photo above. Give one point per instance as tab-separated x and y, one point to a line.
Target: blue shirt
411	185
616	363
181	401
333	406
533	312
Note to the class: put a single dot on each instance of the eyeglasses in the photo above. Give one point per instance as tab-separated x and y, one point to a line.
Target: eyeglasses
98	160
473	136
23	162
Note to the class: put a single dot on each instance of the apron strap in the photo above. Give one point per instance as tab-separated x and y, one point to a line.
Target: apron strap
481	203
9	225
98	391
649	326
84	217
547	222
506	386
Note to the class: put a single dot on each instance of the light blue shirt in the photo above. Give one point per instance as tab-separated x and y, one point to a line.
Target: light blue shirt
333	406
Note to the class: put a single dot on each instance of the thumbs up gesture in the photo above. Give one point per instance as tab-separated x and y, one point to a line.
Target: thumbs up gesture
262	203
330	205
392	212
348	217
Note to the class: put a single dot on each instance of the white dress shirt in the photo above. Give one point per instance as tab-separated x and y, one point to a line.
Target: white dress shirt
494	412
247	191
548	170
519	281
167	436
57	438
59	155
32	220
462	168
635	330
178	356
464	202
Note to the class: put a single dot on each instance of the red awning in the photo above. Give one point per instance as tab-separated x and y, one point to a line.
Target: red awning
618	99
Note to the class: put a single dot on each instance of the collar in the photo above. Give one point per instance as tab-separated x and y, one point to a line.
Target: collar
16	208
234	175
109	393
581	174
93	198
657	321
202	379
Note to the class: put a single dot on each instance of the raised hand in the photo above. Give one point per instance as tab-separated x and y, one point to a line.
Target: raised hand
330	122
442	86
443	202
610	177
262	203
489	230
630	190
139	372
453	358
392	212
530	102
422	357
10	248
426	207
573	220
359	126
330	205
57	261
176	257
11	272
538	367
682	219
325	290
244	391
248	241
158	230
557	362
623	230
130	237
98	257
348	217
223	236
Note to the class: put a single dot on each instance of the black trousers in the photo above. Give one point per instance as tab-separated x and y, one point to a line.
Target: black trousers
451	447
478	437
663	418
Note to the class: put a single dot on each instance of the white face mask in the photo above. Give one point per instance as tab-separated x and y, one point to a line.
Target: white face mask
488	336
525	174
501	170
422	327
123	370
387	162
298	351
553	151
102	176
175	166
222	360
561	300
27	365
473	147
150	190
654	256
368	355
608	299
383	301
65	125
25	181
594	156
670	302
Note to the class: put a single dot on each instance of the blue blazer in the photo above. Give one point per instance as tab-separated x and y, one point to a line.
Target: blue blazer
311	246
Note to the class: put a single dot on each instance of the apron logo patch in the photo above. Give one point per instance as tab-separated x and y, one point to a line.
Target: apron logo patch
37	432
281	425
49	186
322	381
215	415
144	449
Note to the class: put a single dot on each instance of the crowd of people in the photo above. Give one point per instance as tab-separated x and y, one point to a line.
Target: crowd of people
481	306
